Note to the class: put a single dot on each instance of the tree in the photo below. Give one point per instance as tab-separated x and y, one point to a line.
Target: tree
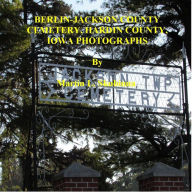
13	38
61	160
13	42
174	16
131	141
15	85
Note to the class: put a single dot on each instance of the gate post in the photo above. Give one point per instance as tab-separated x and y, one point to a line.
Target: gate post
76	177
161	177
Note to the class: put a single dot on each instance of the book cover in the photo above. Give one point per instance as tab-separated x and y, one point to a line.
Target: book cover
95	95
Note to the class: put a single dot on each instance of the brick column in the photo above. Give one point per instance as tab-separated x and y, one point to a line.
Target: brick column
76	178
161	177
77	184
161	184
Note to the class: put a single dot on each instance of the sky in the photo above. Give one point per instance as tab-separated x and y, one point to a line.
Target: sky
85	5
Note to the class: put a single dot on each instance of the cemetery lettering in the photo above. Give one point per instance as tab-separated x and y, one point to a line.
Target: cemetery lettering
95	86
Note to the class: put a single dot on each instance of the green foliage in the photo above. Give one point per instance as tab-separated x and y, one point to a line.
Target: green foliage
13	38
15	86
174	16
129	142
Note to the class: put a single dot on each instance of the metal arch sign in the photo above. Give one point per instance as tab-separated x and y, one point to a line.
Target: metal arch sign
94	86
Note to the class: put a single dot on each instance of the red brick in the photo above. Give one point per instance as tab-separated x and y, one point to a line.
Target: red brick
76	189
173	178
92	184
149	184
157	183
163	178
87	179
164	188
76	179
168	183
87	189
144	184
69	184
178	184
81	184
154	188
66	180
61	188
56	188
148	180
60	182
180	178
152	179
95	179
66	189
155	179
173	188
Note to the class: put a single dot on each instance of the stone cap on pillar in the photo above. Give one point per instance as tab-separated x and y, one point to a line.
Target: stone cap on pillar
76	170
161	170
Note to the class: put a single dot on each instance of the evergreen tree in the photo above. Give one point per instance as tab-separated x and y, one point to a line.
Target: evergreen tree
174	16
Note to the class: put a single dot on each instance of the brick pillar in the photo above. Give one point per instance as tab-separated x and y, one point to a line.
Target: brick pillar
76	178
76	184
161	177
